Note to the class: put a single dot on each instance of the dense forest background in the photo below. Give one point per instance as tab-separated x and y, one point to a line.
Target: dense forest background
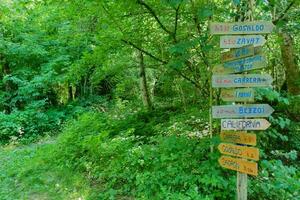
110	100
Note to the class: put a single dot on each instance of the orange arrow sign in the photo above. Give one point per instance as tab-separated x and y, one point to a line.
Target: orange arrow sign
239	165
240	151
238	137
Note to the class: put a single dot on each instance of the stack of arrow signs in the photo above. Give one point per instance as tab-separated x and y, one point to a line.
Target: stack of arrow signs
244	54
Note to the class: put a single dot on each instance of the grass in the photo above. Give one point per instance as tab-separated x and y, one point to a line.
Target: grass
24	175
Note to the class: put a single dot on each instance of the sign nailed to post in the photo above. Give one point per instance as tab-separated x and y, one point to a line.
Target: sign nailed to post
238	41
239	94
242	110
241	65
238	165
240	151
238	137
236	28
246	62
244	124
249	80
239	53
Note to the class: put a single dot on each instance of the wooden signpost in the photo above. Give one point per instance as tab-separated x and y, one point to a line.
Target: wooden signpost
238	137
239	151
239	165
238	28
241	80
244	40
242	65
245	51
237	41
242	110
244	124
238	95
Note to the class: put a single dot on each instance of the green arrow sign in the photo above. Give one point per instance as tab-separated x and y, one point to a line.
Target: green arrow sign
240	80
241	111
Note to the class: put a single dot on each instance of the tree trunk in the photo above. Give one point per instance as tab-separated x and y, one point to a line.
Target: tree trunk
143	83
290	63
8	88
70	92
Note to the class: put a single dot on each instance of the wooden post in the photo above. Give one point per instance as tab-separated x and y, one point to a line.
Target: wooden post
242	178
241	186
210	109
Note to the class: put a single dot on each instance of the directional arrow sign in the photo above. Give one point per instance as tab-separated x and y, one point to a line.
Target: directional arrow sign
238	165
241	65
248	80
246	64
239	151
238	137
236	28
234	54
244	124
237	41
238	95
242	110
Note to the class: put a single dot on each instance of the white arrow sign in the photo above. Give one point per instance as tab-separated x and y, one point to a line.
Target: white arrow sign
238	41
240	80
244	124
240	111
238	28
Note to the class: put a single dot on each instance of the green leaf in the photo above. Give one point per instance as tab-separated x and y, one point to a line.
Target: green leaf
204	13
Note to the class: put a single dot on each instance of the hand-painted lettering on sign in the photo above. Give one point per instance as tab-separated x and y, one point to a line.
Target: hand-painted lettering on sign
254	27
227	42
241	65
239	53
244	124
238	137
239	151
242	110
239	165
246	63
238	95
249	80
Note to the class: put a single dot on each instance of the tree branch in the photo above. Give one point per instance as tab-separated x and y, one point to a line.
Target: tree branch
282	15
152	12
176	23
144	51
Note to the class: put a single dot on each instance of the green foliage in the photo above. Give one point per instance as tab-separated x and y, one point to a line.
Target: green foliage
276	181
72	67
17	127
125	165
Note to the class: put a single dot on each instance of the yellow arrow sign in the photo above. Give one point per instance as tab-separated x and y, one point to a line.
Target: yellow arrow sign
238	94
239	151
239	165
239	137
